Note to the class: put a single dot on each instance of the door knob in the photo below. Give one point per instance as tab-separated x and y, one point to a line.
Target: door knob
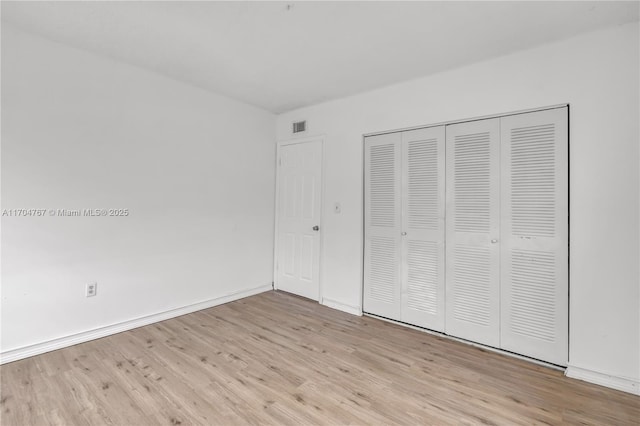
404	233
495	240
316	228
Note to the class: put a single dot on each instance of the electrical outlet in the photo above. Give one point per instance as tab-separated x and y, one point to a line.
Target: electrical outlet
92	289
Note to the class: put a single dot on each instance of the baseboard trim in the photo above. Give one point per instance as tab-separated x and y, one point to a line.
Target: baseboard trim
334	304
85	336
620	383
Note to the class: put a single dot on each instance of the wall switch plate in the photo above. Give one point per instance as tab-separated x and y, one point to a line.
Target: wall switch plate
92	289
337	208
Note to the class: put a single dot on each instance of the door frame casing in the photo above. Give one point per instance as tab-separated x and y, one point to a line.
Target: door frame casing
279	144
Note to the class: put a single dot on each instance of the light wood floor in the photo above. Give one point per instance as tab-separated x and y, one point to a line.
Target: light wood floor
279	359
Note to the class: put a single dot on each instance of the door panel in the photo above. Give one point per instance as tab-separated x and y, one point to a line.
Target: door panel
423	192
382	249
535	235
472	231
300	177
287	258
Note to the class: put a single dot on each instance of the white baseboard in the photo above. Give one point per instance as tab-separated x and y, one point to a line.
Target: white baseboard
85	336
353	310
620	383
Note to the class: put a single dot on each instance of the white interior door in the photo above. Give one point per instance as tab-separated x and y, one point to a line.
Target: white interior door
299	208
534	247
472	231
423	199
382	230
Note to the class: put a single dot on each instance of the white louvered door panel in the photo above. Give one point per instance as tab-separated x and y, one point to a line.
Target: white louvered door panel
382	263
423	225
472	231
535	235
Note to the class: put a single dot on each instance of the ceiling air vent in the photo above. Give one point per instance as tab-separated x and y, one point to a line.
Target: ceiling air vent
299	126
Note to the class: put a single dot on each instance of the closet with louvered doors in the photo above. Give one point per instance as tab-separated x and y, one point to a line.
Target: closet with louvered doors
404	227
502	279
507	233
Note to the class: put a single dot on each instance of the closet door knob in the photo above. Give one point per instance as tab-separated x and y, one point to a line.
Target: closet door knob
404	233
493	241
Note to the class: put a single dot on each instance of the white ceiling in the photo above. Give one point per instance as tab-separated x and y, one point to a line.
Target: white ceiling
284	55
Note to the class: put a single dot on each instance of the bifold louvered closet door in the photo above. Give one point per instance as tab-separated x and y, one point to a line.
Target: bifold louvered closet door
473	228
534	232
382	249
495	270
404	226
507	233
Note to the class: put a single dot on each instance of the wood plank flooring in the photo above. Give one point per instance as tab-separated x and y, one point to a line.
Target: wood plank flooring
278	359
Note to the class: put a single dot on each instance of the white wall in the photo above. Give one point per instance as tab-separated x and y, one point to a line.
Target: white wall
196	171
598	75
